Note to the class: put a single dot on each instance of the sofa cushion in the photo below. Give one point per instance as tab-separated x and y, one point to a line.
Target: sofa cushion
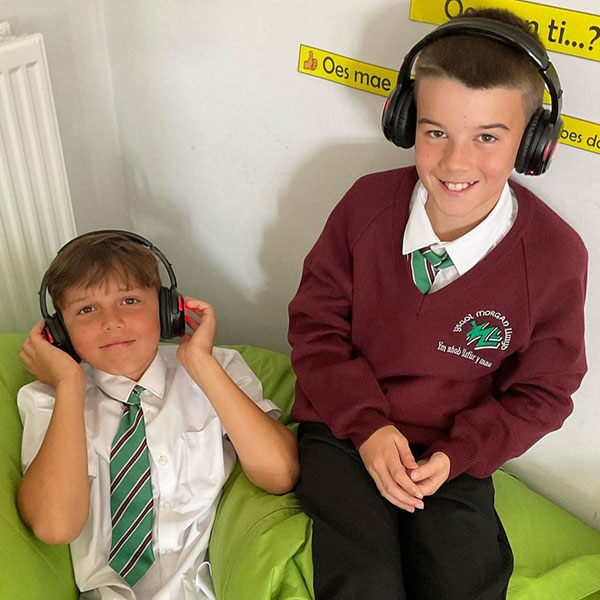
557	556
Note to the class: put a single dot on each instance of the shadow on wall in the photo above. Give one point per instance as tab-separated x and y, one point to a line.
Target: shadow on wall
320	181
317	186
314	189
159	219
311	194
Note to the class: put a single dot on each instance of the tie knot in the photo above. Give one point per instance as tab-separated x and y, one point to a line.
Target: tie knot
425	265
134	396
437	261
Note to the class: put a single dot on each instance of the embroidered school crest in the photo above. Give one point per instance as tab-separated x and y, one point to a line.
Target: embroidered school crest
487	329
483	336
483	331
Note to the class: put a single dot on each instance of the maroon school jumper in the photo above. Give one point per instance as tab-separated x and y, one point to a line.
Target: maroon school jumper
480	369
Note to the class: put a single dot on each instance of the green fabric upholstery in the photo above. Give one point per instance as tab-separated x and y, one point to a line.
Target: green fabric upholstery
260	547
29	568
557	557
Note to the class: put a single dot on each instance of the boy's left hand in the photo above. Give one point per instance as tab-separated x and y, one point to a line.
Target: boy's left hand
432	473
200	318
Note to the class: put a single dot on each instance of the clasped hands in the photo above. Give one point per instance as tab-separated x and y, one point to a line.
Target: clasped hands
399	478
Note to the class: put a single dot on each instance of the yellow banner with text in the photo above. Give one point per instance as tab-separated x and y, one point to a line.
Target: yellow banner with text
560	29
381	81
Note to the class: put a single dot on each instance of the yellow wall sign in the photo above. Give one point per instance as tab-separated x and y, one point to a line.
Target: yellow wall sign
381	81
347	71
581	134
560	29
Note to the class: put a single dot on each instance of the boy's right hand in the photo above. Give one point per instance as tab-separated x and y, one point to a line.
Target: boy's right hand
46	362
388	459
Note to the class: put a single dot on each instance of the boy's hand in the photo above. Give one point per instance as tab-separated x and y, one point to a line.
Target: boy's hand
388	459
200	318
46	362
431	473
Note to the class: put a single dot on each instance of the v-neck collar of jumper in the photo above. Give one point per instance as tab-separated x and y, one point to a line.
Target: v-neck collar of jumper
467	250
424	302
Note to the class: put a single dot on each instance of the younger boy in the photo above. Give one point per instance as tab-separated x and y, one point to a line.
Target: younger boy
125	457
437	332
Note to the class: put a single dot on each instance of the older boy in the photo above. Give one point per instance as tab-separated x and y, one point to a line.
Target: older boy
126	457
437	332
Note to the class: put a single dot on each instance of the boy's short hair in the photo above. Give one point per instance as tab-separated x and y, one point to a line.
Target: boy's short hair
91	259
481	63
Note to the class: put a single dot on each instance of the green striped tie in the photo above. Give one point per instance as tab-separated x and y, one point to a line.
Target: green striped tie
131	501
425	264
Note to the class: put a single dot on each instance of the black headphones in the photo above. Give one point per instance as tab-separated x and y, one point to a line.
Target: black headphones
541	136
170	302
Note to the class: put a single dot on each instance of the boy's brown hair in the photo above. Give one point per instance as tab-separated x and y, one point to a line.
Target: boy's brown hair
92	259
481	63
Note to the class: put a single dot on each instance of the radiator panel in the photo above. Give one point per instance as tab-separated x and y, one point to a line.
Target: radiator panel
36	215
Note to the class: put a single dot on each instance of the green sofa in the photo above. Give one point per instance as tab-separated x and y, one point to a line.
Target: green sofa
260	547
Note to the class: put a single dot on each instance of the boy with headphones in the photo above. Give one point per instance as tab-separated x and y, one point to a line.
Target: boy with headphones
438	328
125	458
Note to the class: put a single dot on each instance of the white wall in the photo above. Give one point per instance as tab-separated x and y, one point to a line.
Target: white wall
240	156
74	37
232	160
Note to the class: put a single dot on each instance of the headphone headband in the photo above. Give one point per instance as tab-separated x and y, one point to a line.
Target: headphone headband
134	237
500	32
541	135
171	311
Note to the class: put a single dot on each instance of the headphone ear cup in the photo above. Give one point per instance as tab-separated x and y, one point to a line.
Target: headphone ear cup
163	311
400	116
172	320
389	109
58	336
405	124
544	144
526	155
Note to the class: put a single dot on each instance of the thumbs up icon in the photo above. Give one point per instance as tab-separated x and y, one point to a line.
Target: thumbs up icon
311	63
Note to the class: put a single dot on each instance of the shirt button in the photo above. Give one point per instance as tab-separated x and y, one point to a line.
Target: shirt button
163	460
166	505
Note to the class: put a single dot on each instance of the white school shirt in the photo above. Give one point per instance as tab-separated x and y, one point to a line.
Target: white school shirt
190	460
465	251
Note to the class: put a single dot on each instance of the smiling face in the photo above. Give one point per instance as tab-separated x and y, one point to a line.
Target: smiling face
465	149
113	328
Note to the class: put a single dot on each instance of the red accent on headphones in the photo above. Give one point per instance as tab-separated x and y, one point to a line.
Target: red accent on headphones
548	149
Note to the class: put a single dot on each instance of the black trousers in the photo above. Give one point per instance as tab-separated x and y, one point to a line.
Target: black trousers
365	548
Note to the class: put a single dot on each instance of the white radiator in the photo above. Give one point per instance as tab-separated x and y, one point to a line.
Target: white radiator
36	215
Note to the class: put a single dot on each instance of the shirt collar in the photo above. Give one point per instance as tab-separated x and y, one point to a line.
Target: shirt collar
419	232
119	387
467	250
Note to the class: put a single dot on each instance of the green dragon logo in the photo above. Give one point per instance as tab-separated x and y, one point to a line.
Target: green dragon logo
484	335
